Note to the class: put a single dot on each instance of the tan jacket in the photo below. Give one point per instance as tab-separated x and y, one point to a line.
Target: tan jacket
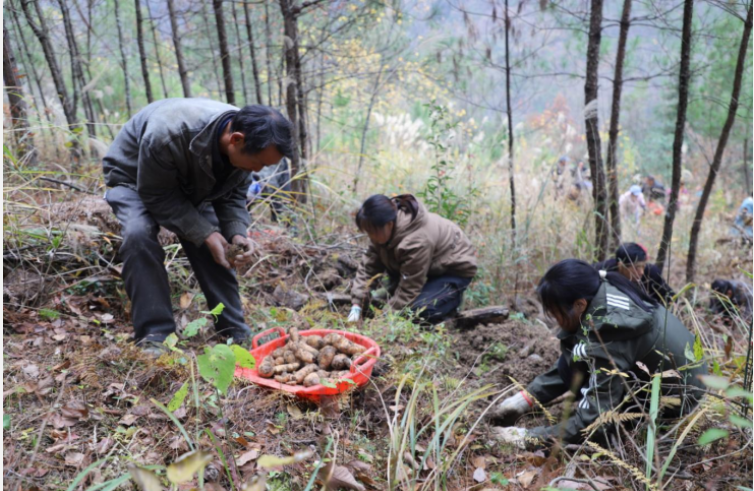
428	245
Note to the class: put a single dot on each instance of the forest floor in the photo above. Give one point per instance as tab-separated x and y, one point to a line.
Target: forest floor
81	401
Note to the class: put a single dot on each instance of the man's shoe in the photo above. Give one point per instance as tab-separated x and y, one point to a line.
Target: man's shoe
240	334
153	349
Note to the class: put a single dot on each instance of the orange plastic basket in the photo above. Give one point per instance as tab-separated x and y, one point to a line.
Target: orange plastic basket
361	369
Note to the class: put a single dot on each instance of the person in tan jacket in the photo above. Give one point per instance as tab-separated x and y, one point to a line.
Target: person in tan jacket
429	259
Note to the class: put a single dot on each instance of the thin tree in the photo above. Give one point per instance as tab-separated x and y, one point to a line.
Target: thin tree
362	149
509	113
205	18
612	167
124	59
40	30
591	116
239	44
680	125
252	48
79	83
157	50
142	51
178	52
268	53
29	64
720	149
18	110
230	93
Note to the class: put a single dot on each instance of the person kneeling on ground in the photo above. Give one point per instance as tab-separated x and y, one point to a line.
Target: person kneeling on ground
610	334
739	299
631	261
184	164
429	259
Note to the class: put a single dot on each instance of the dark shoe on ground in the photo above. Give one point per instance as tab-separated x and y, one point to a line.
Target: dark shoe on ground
153	349
241	334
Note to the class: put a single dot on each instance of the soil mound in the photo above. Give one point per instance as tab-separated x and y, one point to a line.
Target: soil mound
515	348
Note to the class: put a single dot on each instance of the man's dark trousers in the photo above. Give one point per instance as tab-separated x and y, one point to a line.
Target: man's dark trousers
147	280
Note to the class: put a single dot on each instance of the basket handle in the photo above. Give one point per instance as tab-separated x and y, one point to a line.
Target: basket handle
255	341
365	356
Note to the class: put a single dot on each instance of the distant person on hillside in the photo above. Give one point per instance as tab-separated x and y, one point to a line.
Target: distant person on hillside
272	184
185	164
743	221
655	194
631	261
632	205
428	258
612	337
732	297
560	176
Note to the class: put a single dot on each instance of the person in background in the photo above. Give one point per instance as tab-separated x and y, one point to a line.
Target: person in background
631	261
272	184
611	335
185	164
560	176
732	297
653	190
632	205
429	259
743	221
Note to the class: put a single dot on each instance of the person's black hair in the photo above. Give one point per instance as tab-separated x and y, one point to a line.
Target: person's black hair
630	253
572	279
379	210
722	286
263	126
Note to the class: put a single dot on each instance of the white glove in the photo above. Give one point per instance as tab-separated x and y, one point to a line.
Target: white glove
512	407
355	314
511	436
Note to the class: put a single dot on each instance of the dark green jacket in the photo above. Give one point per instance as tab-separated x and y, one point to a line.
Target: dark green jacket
616	334
165	153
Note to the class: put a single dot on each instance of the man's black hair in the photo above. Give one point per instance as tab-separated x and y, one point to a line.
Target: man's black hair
572	279
630	253
263	126
722	286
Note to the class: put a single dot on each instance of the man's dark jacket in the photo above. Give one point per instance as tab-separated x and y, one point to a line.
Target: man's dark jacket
165	152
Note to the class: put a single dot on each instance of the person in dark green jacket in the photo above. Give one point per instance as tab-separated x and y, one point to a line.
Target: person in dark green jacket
613	337
185	164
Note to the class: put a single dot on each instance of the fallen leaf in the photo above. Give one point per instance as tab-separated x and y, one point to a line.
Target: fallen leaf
75	410
526	477
255	483
295	412
103	445
267	461
180	413
247	456
186	300
479	475
31	371
339	477
106	318
128	419
184	468
146	480
479	462
74	459
643	367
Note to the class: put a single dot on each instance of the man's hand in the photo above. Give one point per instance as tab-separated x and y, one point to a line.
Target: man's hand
510	408
217	245
247	246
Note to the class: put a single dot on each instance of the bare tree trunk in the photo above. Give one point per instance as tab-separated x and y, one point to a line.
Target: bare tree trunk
591	116
732	109
268	53
239	43
230	93
41	32
14	89
680	125
280	76
255	69
142	51
747	176
612	166
320	97
375	91
205	18
124	59
509	111
291	100
29	65
157	50
178	53
76	69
